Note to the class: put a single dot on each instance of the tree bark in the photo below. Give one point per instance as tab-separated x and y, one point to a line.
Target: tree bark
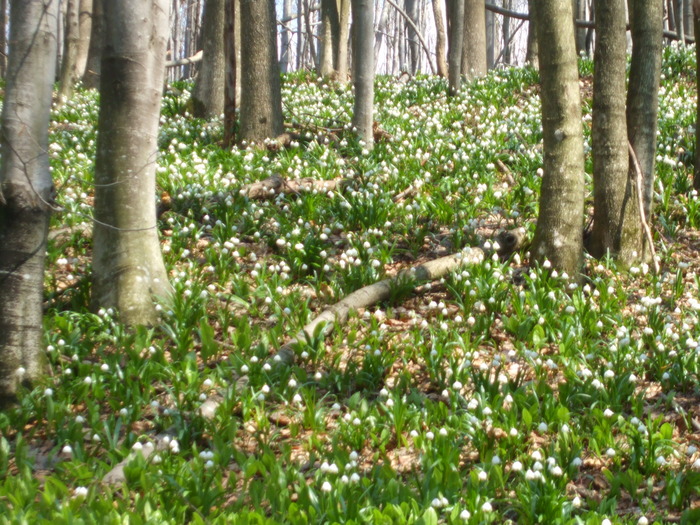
261	97
474	44
696	24
440	39
363	57
411	8
208	92
343	40
646	21
532	50
91	77
285	37
330	27
559	230
454	57
69	73
84	31
617	229
128	269
3	38
26	191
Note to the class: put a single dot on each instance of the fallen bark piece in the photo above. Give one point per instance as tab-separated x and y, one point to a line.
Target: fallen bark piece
274	185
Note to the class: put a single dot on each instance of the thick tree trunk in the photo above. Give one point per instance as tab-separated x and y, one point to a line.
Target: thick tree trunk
474	44
532	50
128	269
363	58
26	191
440	39
559	230
91	77
646	21
285	37
208	92
330	29
3	38
69	73
617	229
454	57
261	97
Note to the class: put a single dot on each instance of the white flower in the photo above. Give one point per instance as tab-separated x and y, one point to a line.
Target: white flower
67	450
80	492
606	521
465	515
487	507
542	427
608	413
643	521
610	452
48	392
483	476
576	502
429	435
516	466
326	487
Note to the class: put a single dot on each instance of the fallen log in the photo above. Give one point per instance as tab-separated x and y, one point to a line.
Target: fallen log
276	184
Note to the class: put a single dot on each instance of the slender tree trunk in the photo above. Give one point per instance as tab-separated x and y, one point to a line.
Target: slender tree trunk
91	78
474	44
382	27
300	34
284	58
26	191
696	24
209	87
128	269
440	39
411	8
85	30
231	68
261	97
70	49
679	11
454	57
3	38
363	58
646	21
532	50
559	230
342	66
617	228
491	51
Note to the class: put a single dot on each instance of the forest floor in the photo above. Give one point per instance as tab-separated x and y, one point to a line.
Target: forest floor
500	392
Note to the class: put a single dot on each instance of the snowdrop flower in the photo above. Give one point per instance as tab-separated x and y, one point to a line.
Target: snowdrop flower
67	450
487	507
326	487
483	476
576	502
465	515
542	427
610	452
608	413
606	521
643	521
80	492
429	435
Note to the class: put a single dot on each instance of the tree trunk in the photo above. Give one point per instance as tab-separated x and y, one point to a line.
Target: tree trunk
69	73
208	92
363	58
382	30
696	24
532	51
261	98
91	77
285	37
491	51
474	44
411	8
128	269
232	65
678	11
343	39
580	14
26	191
559	230
617	229
330	29
646	21
84	30
454	57
440	39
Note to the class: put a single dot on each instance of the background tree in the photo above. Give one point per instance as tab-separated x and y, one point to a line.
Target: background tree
696	24
69	73
474	43
26	190
84	33
330	27
363	57
128	269
209	86
559	230
3	38
646	22
91	77
261	96
440	39
532	51
616	228
454	55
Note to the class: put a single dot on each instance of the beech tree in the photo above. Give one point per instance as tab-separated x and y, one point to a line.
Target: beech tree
209	86
617	228
70	49
91	77
456	39
128	269
363	57
261	95
474	40
696	25
440	39
26	191
532	51
559	231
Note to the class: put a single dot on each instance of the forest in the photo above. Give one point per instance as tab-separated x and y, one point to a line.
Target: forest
387	262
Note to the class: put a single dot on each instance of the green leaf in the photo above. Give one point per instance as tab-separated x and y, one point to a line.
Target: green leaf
527	418
206	336
538	336
429	517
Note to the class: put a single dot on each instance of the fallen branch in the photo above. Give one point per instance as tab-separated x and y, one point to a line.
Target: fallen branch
274	185
197	57
640	202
